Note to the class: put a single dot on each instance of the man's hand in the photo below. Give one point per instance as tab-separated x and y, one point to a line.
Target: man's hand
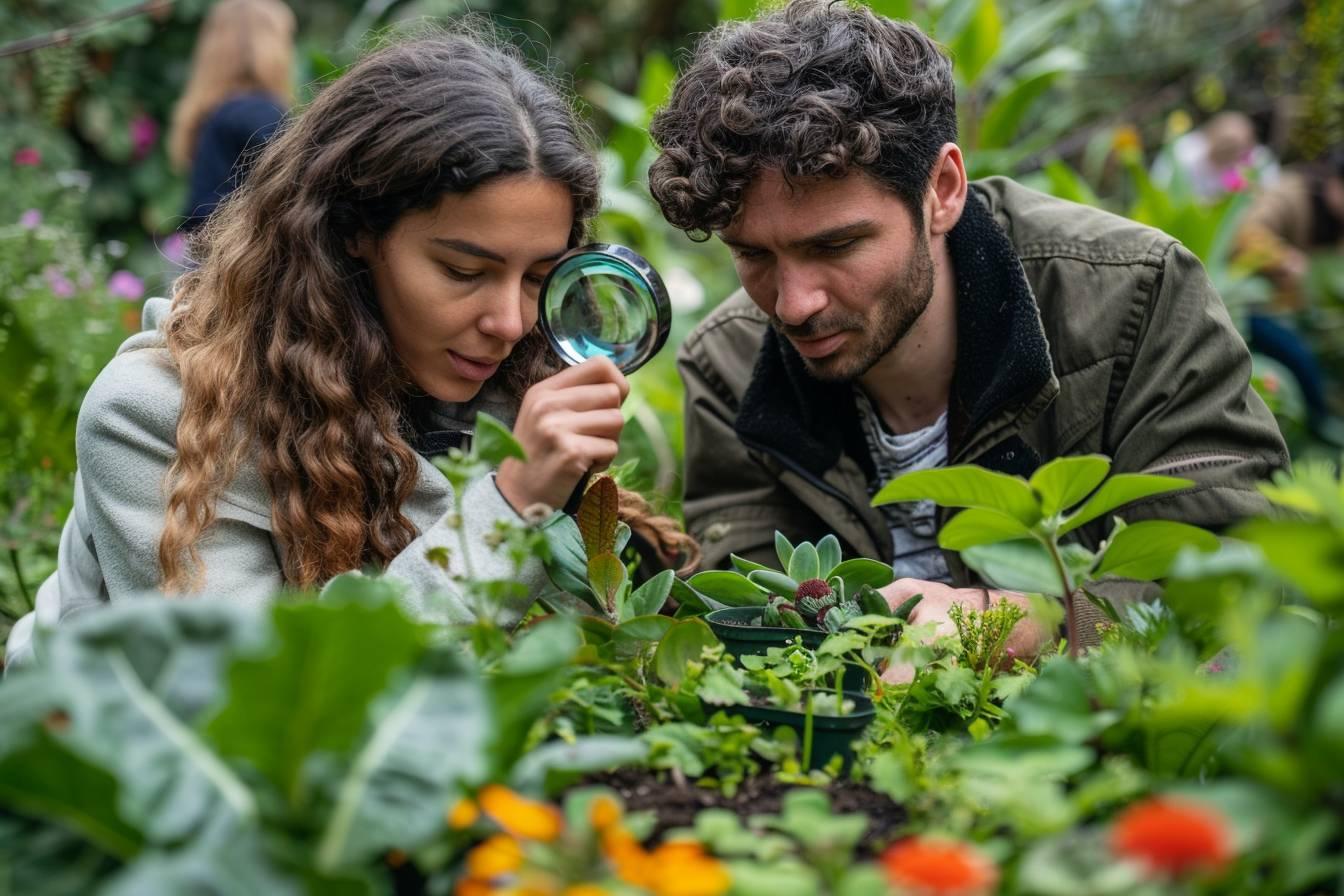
1026	640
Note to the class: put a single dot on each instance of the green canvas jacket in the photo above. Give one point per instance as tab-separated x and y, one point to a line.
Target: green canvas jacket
1078	332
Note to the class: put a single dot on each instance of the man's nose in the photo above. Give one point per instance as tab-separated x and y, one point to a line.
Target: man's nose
799	295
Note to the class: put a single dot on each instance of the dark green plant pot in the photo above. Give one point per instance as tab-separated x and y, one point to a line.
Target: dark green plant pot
732	626
831	735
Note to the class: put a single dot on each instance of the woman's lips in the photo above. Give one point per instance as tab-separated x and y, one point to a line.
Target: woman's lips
819	348
475	369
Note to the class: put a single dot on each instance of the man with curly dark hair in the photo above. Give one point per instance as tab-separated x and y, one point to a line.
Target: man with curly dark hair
896	317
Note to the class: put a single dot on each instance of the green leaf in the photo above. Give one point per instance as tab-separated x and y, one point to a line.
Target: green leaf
641	630
598	517
538	770
493	443
1065	481
691	601
682	645
1308	553
721	685
1119	490
861	571
735	10
236	865
964	486
728	588
1145	550
304	697
393	793
974	48
1057	704
774	582
828	556
566	560
1068	184
783	549
520	690
745	566
804	564
1022	565
978	525
1008	112
650	597
900	10
607	577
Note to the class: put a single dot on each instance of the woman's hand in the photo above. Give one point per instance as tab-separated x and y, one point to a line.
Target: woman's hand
568	424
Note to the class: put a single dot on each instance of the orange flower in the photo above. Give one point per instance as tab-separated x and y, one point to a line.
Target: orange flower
463	815
495	857
925	866
584	890
603	812
1127	140
681	868
520	816
470	886
1171	836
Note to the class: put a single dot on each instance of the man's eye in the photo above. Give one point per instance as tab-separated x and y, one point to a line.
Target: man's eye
747	254
836	248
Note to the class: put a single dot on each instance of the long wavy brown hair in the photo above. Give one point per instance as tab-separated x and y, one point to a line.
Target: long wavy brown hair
244	46
277	335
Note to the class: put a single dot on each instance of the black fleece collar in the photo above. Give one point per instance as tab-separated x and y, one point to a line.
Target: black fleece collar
1002	359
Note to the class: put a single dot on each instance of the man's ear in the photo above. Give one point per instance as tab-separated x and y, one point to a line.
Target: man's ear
946	197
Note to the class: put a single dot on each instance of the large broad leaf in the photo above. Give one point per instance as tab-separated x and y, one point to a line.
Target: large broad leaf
977	525
597	516
1022	565
1008	112
234	866
636	635
964	486
567	559
137	679
607	577
976	45
683	644
1065	481
774	582
1308	553
1119	490
804	564
1058	705
492	441
555	762
860	571
728	588
422	740
691	601
308	695
1145	550
650	597
38	858
520	689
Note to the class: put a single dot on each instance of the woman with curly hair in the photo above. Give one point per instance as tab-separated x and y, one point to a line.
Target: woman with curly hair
368	290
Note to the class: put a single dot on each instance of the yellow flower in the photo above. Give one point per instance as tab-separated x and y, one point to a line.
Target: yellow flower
497	856
463	814
1178	123
603	812
520	816
1127	140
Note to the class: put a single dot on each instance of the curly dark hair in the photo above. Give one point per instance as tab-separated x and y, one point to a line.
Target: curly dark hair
814	89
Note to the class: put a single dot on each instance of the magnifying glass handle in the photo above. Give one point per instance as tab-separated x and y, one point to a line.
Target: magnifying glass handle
572	503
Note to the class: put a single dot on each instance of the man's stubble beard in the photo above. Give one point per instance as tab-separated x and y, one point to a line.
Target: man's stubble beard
897	310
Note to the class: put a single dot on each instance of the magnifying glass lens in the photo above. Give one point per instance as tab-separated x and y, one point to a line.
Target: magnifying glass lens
605	301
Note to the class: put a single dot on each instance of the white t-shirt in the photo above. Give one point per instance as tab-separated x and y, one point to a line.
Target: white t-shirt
914	525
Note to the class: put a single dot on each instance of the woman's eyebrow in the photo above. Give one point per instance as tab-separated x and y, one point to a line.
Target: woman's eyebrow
470	248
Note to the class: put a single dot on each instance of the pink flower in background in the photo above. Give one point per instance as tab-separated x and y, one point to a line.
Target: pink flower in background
144	134
31	219
1234	181
125	285
57	282
28	156
174	248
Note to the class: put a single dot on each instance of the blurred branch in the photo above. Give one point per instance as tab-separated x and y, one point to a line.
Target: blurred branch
63	36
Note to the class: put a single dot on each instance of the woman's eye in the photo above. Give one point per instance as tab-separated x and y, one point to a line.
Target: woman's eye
460	275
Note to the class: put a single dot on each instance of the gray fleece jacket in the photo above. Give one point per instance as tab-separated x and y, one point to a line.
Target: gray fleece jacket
124	444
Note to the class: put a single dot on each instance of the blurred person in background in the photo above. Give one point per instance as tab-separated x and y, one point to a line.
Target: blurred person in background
237	96
1223	156
1301	213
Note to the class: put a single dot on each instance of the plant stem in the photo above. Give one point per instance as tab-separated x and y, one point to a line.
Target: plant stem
18	575
1070	617
807	734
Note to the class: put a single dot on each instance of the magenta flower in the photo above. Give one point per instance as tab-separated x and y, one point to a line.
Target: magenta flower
1234	181
31	219
174	248
57	282
125	285
28	156
144	134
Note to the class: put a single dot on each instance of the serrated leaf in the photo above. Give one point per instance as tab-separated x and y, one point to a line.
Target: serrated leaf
607	576
964	486
1065	481
597	516
979	525
493	443
1146	550
1119	490
804	564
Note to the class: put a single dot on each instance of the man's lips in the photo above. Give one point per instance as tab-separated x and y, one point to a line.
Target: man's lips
818	348
476	369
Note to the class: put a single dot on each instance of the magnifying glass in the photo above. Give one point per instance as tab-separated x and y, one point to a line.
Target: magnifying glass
607	301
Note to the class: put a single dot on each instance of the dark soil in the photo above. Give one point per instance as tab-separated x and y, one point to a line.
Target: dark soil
676	804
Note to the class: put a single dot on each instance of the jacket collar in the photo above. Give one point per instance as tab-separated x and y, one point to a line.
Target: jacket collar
1003	360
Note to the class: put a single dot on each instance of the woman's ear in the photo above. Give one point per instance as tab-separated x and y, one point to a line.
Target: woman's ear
947	190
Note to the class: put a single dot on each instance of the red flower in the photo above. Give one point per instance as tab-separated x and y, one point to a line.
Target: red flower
923	866
28	156
1170	836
